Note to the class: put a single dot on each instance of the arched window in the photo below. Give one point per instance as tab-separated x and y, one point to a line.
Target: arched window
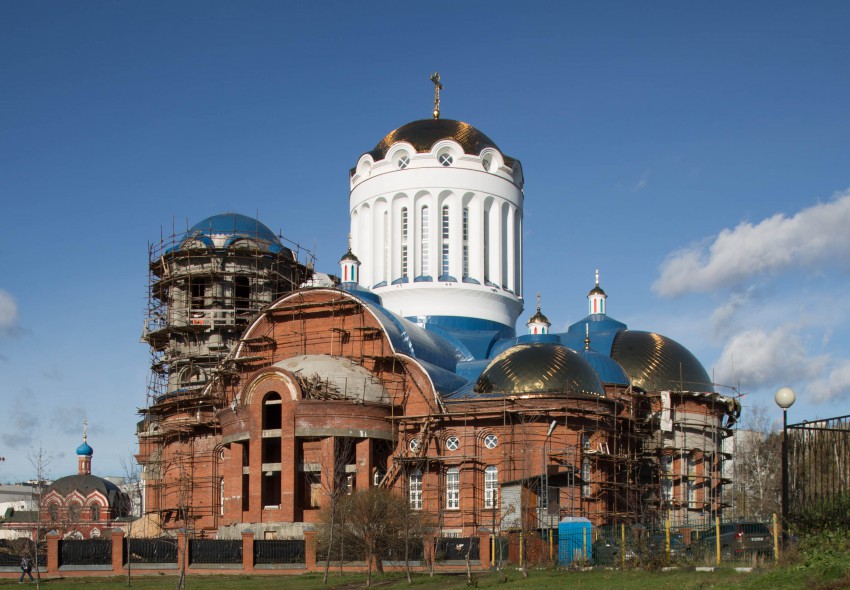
415	490
453	489
444	263
74	511
404	242
272	407
491	486
53	509
95	512
423	232
242	294
466	242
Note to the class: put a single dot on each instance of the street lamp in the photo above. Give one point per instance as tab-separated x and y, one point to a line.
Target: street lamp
785	398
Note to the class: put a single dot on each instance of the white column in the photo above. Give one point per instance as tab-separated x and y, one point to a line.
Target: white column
518	250
476	239
511	249
496	243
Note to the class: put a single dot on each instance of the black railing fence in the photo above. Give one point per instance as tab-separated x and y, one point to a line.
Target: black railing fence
162	550
279	551
457	548
819	473
215	551
85	552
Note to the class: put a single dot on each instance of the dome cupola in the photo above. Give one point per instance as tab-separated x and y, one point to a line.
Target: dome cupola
349	265
436	222
84	453
596	298
538	323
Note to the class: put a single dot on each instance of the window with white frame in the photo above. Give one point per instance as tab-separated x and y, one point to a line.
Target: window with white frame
453	489
585	441
403	161
446	159
490	441
452	443
692	464
415	490
692	491
666	463
404	242
444	267
486	225
491	486
415	444
423	231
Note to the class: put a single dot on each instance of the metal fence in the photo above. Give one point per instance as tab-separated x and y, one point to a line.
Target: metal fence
819	473
739	541
85	552
211	551
280	551
450	548
162	550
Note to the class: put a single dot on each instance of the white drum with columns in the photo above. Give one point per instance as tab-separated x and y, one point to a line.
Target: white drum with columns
437	229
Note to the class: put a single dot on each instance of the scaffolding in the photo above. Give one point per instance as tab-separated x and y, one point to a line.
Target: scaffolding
205	285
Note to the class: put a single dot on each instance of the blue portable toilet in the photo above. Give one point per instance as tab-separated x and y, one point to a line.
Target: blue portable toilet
574	540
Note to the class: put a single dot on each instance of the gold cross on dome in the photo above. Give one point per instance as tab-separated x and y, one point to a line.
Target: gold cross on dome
435	78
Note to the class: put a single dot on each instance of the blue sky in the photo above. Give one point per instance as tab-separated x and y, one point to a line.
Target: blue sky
698	154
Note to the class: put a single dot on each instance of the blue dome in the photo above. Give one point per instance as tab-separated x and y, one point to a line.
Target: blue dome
84	450
224	229
608	369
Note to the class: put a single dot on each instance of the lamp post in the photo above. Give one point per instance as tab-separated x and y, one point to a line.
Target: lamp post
785	398
544	484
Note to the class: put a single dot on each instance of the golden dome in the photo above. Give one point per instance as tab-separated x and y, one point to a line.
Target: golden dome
539	368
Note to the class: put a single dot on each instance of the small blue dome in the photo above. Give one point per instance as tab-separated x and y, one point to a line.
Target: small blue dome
84	450
608	369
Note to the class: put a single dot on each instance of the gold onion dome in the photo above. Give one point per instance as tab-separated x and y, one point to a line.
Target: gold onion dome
657	363
423	134
538	317
539	368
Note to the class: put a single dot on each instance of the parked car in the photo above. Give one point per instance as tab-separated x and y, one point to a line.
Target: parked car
738	539
607	552
657	544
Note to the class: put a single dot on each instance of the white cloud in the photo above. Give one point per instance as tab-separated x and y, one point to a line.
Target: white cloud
835	385
8	313
814	236
722	319
757	358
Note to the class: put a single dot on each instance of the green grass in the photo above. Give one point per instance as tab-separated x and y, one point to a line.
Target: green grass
775	578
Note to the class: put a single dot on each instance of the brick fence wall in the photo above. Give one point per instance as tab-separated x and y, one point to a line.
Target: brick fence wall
119	567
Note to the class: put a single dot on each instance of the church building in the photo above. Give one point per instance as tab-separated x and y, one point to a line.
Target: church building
273	384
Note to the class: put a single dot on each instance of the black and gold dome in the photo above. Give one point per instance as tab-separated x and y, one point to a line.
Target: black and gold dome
422	135
654	363
539	368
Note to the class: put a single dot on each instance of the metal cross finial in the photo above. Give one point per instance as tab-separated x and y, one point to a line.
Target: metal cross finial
597	277
349	241
587	336
85	429
538	301
435	78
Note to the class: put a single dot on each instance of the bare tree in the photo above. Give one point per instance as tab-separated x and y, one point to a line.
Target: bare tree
335	486
377	523
40	460
133	482
757	462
